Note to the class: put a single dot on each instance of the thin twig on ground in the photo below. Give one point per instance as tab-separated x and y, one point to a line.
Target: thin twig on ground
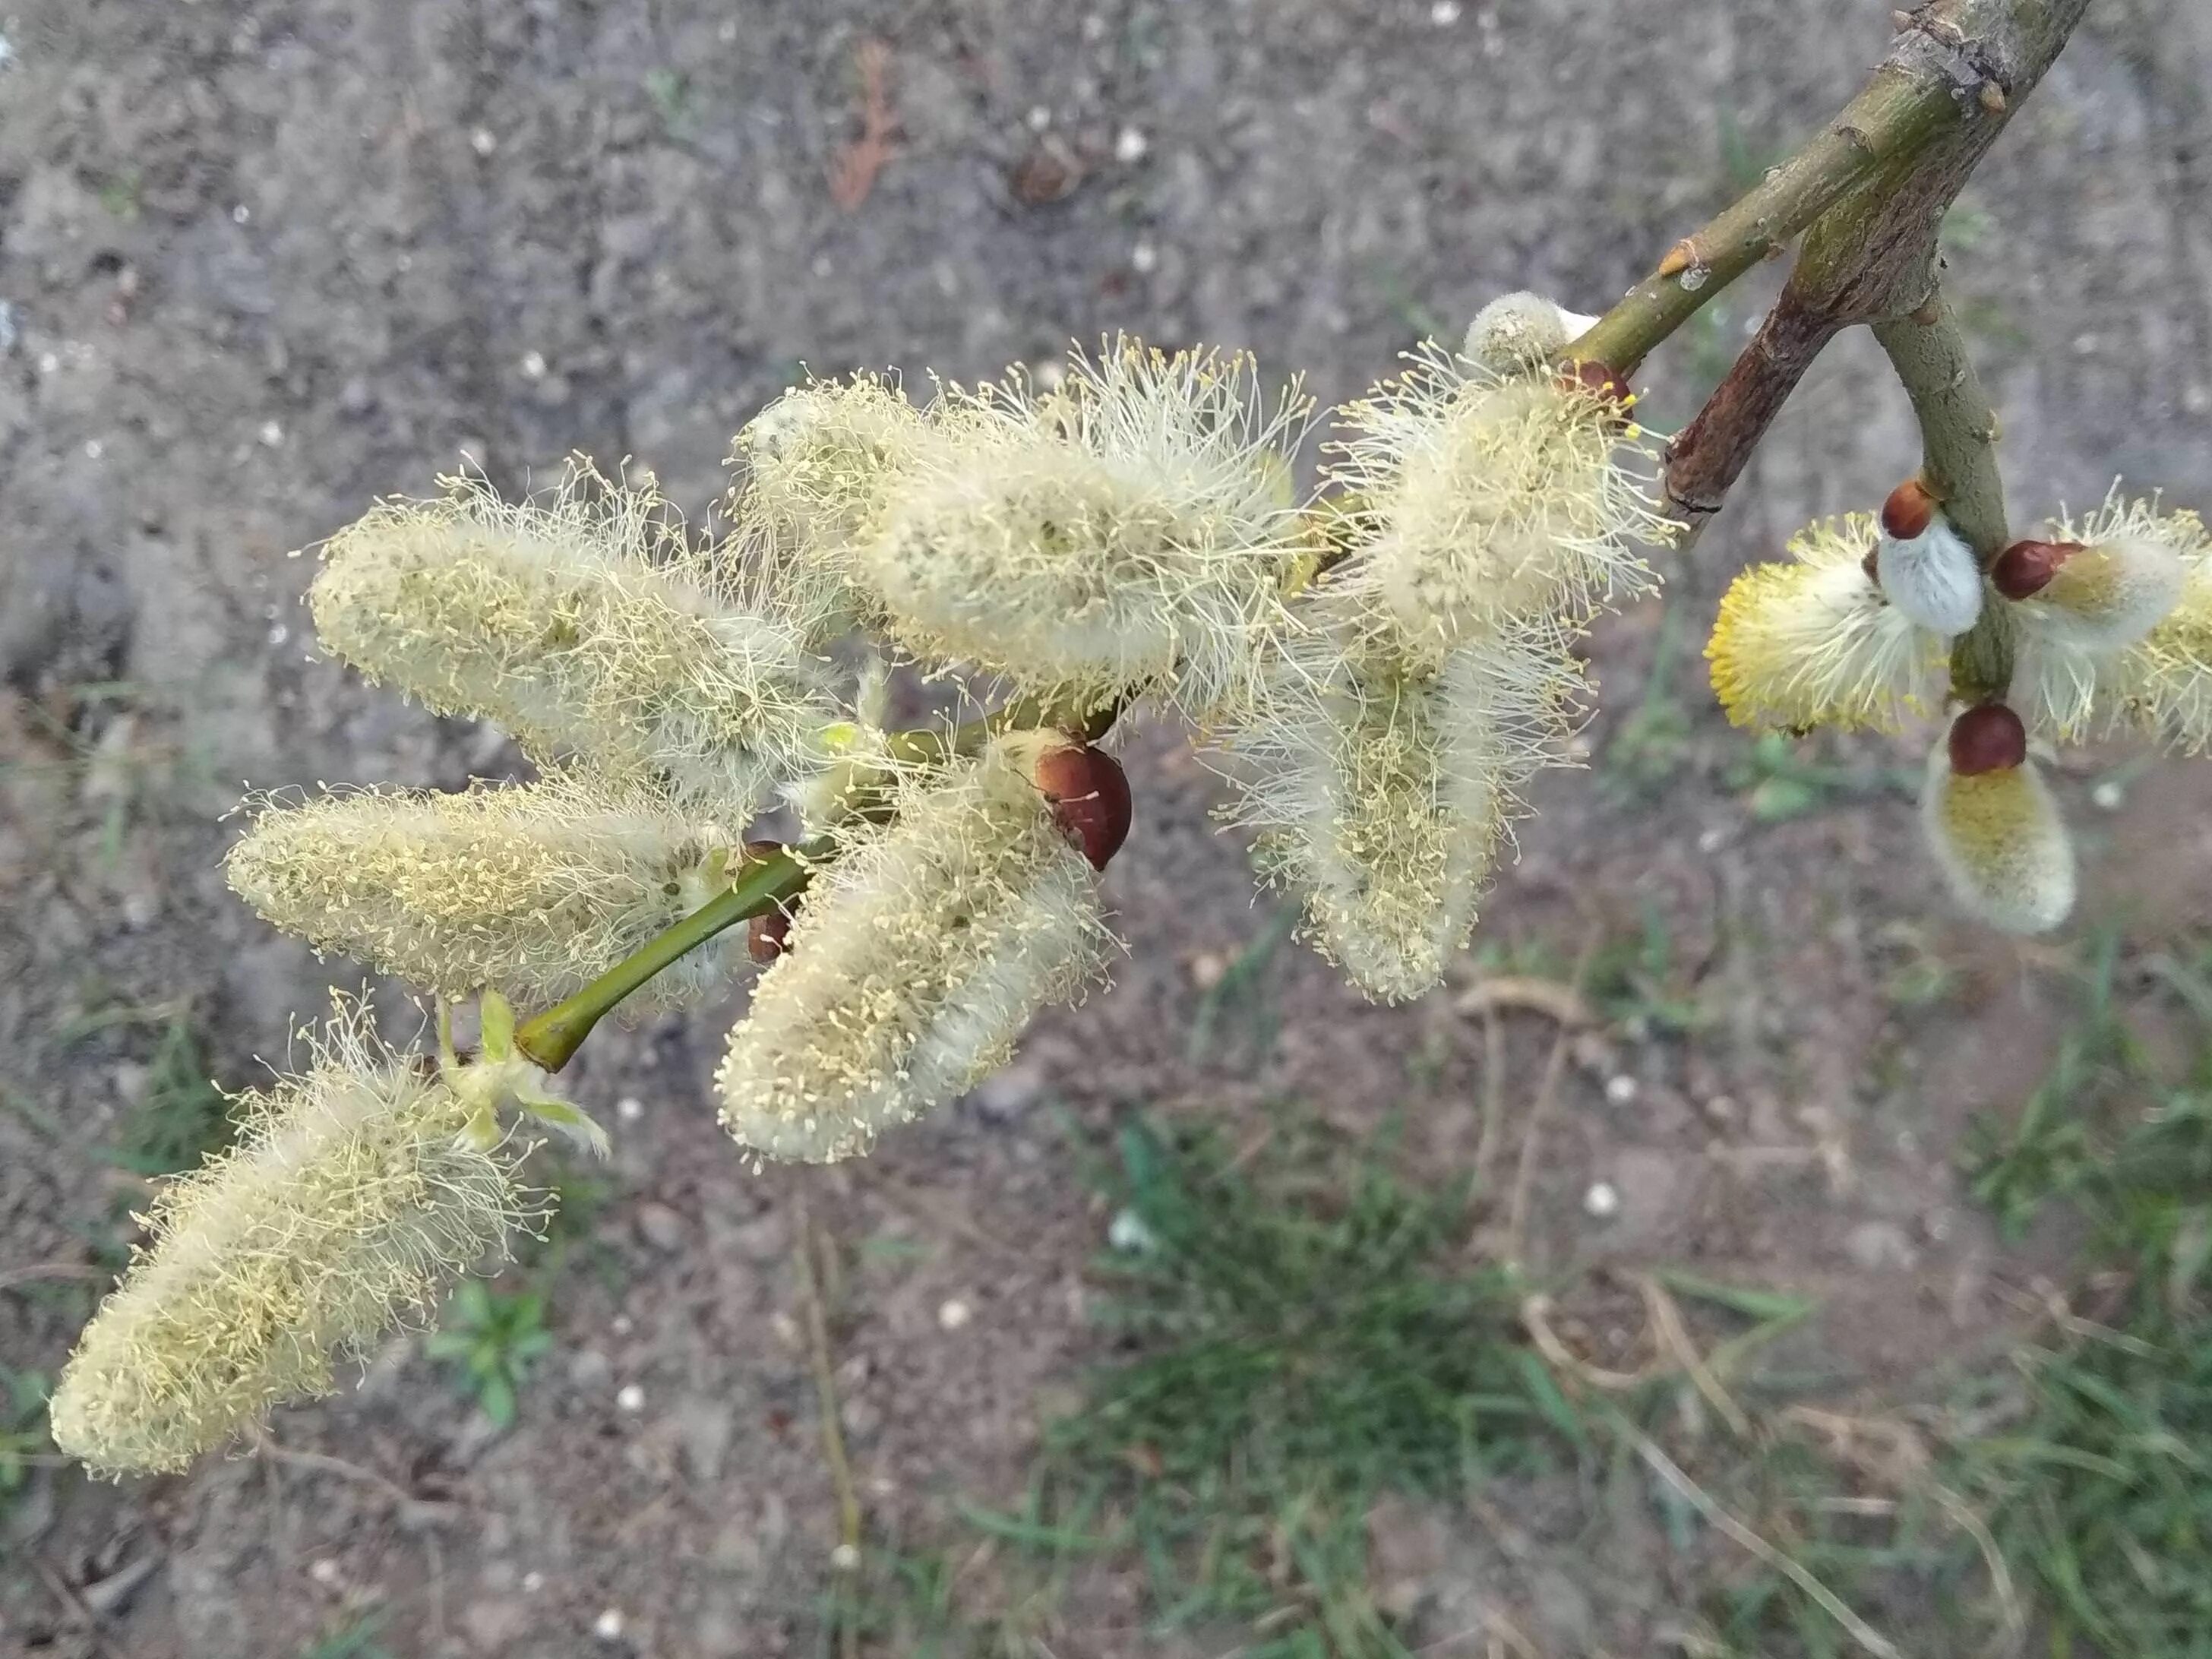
847	1557
1547	1093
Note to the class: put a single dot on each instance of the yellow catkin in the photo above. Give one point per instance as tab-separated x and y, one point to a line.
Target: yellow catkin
355	1196
1381	793
2000	842
2075	679
1130	532
586	625
916	959
532	891
1814	642
1487	502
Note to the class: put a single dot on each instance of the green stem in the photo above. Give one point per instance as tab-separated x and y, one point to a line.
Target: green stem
552	1038
1958	437
1895	114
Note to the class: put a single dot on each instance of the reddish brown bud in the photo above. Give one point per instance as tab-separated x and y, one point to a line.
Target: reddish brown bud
1600	380
2026	568
767	934
1909	511
1988	738
1089	797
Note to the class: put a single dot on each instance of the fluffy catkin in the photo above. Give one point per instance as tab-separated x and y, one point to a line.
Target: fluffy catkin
1381	794
1485	502
1519	331
1130	532
354	1197
819	463
1816	642
1999	840
533	891
2070	687
585	625
916	959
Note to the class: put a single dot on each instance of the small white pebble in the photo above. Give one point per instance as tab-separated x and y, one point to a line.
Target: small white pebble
533	1581
483	140
630	1108
1713	839
624	1325
953	1313
844	1557
1602	1199
533	364
2108	796
93	449
631	1398
49	364
1130	144
1444	13
327	1571
1619	1090
1145	257
608	1626
1040	117
1127	1231
271	433
240	214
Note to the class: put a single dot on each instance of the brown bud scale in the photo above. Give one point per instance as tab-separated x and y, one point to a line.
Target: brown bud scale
2025	567
1909	511
1988	738
1089	797
767	934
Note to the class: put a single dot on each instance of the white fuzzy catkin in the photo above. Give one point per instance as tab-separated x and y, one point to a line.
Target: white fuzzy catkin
532	891
1999	840
1518	332
355	1196
1815	642
916	959
819	465
1481	502
1130	531
1932	578
2071	685
586	625
1381	794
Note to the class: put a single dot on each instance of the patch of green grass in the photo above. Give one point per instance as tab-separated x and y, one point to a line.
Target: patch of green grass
2093	1453
1292	1345
1654	741
492	1337
182	1117
1242	1001
351	1635
23	1437
1779	781
1637	983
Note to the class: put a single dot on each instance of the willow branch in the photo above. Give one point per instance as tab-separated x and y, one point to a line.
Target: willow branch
1958	437
551	1039
1870	256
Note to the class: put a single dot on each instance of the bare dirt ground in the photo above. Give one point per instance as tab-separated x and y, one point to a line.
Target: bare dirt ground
262	262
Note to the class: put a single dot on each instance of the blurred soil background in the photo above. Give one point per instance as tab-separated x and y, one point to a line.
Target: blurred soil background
262	263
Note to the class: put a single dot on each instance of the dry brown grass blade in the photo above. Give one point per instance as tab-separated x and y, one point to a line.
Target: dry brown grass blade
853	174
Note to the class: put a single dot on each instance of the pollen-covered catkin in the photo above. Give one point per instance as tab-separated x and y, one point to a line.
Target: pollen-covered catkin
2127	643
533	890
355	1196
917	958
586	625
1381	795
819	463
1129	533
1993	826
1485	502
1815	642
